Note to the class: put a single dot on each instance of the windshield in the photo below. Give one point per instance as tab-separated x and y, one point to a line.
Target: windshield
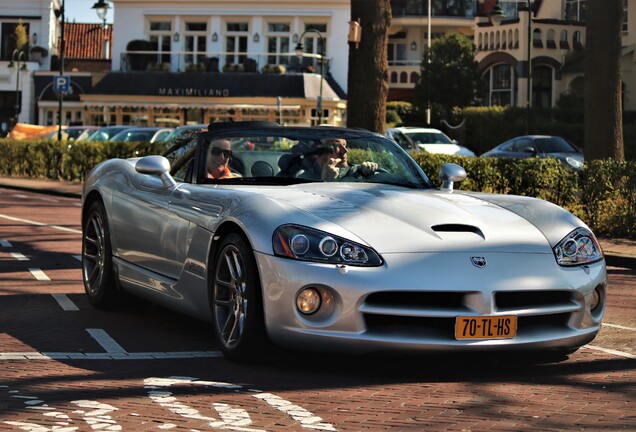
554	145
429	138
312	155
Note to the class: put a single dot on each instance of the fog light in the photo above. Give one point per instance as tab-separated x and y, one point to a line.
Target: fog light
595	301
308	301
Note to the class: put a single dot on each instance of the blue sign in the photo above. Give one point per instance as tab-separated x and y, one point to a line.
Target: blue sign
62	84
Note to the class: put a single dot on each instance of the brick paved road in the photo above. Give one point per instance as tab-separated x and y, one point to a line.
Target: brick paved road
83	369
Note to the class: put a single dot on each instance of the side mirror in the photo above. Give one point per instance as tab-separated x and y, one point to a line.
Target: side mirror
157	166
529	150
450	173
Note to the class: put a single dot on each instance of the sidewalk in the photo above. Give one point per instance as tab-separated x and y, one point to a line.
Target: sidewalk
618	252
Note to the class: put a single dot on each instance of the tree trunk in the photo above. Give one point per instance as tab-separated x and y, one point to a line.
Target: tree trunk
603	104
368	76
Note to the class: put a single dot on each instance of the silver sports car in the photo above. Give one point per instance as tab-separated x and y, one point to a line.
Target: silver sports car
335	239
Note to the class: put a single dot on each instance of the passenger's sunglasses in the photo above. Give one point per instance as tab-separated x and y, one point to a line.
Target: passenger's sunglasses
215	151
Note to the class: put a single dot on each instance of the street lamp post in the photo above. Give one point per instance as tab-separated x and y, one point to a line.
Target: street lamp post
101	8
18	61
299	53
59	13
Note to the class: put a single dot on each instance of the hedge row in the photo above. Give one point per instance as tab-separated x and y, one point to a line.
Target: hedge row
603	194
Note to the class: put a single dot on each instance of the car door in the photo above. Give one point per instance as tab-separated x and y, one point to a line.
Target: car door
148	233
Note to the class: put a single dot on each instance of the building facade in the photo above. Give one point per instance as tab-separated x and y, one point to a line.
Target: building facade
168	63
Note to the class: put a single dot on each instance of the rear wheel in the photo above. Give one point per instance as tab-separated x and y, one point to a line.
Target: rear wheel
237	306
97	260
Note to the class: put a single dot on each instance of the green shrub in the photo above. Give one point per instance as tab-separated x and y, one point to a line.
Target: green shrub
603	195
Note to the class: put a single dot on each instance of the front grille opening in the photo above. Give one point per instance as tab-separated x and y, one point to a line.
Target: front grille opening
410	327
531	299
445	300
528	325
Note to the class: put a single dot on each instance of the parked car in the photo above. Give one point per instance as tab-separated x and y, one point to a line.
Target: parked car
103	133
142	134
377	260
539	146
431	140
71	133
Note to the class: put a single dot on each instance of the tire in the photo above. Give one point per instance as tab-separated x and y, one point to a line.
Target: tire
236	301
99	278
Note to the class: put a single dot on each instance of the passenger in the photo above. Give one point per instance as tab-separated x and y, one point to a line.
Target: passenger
331	162
219	155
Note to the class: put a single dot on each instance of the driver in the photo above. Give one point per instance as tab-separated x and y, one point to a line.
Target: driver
219	154
331	161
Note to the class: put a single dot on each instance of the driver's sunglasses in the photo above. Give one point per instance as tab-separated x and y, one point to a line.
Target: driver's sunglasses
215	151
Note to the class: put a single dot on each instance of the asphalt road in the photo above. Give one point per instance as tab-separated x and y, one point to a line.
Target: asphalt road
65	366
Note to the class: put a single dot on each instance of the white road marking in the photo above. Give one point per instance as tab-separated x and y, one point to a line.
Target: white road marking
65	302
107	342
232	418
31	222
5	243
611	351
98	418
619	327
78	257
298	413
158	355
19	256
39	274
20	196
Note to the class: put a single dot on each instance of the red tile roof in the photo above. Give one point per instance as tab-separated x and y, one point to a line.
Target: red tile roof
85	41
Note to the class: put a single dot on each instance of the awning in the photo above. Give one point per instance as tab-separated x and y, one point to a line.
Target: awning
213	85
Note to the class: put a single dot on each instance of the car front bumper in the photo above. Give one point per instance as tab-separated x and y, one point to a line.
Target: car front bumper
412	301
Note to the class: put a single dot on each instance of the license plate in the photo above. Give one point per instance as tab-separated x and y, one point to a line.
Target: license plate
486	327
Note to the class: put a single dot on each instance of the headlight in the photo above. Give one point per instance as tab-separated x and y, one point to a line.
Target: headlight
577	248
308	244
574	163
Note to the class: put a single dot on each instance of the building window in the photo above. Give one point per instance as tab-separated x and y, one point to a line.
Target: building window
9	42
501	90
160	33
278	48
236	34
542	87
396	53
625	16
312	43
576	10
195	42
563	41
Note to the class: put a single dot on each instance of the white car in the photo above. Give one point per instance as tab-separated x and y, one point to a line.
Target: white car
431	140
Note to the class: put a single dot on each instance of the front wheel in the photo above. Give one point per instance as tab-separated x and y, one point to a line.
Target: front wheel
237	306
97	260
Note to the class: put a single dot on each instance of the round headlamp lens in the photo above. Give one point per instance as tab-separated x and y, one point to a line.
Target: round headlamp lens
299	244
308	301
328	246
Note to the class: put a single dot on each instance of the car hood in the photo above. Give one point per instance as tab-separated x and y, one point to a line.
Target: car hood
450	149
393	219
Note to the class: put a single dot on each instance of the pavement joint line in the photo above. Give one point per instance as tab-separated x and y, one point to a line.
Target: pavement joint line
65	302
39	274
619	327
31	222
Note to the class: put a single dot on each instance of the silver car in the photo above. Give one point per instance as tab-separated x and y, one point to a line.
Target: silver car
378	259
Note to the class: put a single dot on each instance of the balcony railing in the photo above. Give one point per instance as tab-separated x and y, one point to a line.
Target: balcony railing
188	61
411	8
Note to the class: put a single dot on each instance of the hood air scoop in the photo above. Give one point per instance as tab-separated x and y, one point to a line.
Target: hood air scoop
458	232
